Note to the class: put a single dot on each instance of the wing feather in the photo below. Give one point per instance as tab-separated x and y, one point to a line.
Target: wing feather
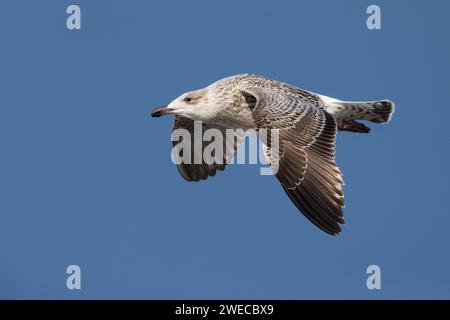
201	171
307	169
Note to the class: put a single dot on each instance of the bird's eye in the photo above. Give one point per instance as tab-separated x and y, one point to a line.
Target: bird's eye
188	99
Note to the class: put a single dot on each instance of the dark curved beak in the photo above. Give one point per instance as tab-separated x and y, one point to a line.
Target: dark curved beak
161	111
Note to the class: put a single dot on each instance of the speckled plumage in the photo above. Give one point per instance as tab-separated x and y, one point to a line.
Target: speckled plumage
307	124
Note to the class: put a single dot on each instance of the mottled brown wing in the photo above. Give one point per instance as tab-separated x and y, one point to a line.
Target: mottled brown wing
303	159
201	170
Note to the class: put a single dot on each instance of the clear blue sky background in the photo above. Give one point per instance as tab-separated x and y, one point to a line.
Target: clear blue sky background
86	176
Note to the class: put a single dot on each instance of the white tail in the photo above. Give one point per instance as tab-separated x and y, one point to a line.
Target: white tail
375	111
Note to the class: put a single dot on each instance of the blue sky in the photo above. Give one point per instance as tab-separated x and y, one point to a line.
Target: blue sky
86	176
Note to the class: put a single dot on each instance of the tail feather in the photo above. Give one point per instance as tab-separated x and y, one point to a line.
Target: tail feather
384	110
375	111
353	126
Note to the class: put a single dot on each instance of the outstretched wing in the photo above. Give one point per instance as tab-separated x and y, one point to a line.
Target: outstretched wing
303	157
200	170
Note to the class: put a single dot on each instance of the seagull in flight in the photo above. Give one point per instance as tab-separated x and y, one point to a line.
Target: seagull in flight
306	123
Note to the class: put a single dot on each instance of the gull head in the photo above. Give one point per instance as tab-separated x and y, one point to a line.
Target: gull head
194	105
219	103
